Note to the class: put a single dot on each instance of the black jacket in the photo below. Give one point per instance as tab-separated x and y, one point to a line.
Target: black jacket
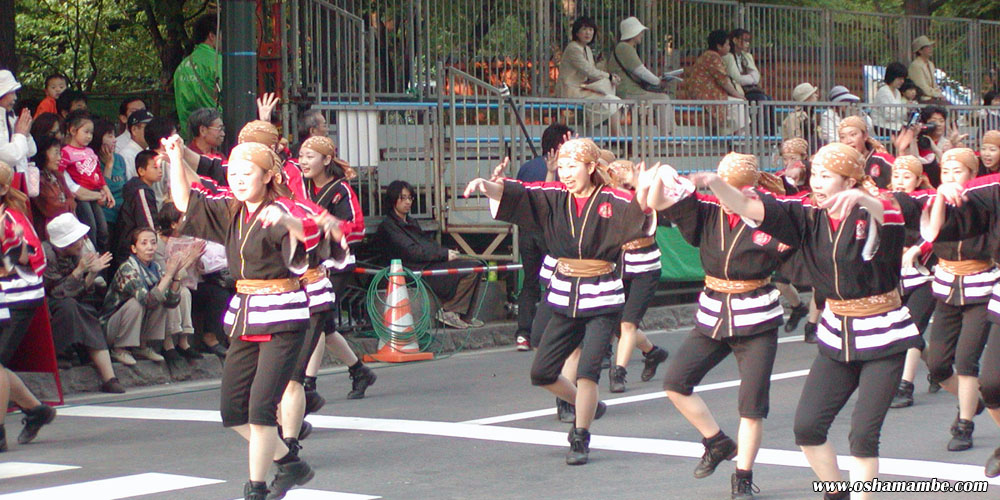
403	239
138	209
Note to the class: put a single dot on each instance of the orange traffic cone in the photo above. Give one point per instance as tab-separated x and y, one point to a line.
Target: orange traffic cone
402	345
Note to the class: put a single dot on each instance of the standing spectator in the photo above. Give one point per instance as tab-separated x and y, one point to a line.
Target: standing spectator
139	205
401	237
579	77
16	143
926	140
311	123
55	85
707	80
889	114
922	70
136	142
83	174
54	197
157	129
112	166
207	132
70	101
48	124
800	123
635	80
845	104
125	109
198	78
72	291
135	309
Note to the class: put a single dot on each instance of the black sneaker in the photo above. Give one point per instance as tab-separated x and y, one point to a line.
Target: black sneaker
616	378
565	411
314	402
305	430
743	487
172	356
360	380
904	395
601	409
932	386
723	449
3	439
293	446
33	421
809	332
113	386
961	435
189	353
798	312
992	468
253	491
218	349
579	447
652	360
295	473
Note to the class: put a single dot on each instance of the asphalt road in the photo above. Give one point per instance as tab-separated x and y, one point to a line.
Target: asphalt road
468	426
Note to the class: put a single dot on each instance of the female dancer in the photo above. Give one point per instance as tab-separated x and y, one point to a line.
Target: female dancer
640	276
915	279
586	223
853	131
739	313
266	240
852	244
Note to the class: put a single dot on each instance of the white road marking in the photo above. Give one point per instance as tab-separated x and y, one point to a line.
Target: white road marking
665	447
307	494
628	399
115	488
9	470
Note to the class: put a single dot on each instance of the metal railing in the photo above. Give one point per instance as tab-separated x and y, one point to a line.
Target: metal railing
395	49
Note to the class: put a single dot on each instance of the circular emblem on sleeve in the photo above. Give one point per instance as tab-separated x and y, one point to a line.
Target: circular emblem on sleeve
604	210
861	230
761	238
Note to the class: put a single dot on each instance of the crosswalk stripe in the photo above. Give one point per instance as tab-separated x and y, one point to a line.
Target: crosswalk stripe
9	470
307	494
115	488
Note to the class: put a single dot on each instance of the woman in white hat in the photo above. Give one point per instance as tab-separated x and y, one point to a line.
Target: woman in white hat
70	277
16	144
922	69
801	122
636	80
579	76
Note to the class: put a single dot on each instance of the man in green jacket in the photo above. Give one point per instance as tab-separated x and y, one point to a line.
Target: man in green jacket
198	78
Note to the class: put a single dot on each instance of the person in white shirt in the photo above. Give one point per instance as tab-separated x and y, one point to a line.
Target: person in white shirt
889	114
829	121
16	143
742	69
136	142
125	109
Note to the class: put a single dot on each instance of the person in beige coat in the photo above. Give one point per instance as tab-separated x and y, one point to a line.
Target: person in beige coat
580	78
922	70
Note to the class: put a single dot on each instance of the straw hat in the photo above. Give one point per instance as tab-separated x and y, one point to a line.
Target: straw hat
920	42
630	27
803	91
65	229
7	83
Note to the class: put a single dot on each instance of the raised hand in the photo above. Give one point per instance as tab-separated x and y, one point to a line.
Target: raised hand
476	185
174	146
498	171
271	215
952	192
265	105
98	263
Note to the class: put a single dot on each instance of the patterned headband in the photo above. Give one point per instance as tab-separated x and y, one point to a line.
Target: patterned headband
739	170
840	159
259	131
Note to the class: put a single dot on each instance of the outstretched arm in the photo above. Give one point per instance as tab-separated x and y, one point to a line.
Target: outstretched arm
180	188
492	190
842	203
729	196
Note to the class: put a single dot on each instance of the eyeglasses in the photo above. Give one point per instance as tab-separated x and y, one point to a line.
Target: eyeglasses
407	197
217	128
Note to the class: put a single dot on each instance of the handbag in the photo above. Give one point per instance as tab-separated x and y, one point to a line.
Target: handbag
643	84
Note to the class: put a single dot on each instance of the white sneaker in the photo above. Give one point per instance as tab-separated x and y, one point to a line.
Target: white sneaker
122	356
451	319
147	353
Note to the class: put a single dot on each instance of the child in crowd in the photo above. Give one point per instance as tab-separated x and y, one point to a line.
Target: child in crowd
112	166
55	85
139	206
82	170
70	101
179	323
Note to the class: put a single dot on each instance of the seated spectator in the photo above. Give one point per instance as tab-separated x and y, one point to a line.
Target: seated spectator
179	318
742	69
157	129
400	237
16	143
635	80
989	153
922	71
112	166
128	106
910	92
54	197
853	131
829	121
136	142
74	291
312	122
801	121
135	309
55	85
81	169
707	80
579	77
48	124
69	101
207	132
210	300
890	114
139	205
